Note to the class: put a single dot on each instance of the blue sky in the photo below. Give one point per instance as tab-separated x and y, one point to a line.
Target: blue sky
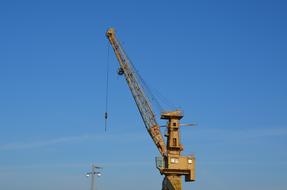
222	62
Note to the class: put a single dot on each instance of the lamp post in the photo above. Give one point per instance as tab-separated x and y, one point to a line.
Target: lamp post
92	174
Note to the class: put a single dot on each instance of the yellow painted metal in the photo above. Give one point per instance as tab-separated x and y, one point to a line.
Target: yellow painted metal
171	164
175	165
143	104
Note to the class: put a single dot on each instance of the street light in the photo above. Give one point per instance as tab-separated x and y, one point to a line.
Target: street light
92	174
96	173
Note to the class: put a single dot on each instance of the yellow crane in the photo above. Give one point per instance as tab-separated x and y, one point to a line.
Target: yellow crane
170	164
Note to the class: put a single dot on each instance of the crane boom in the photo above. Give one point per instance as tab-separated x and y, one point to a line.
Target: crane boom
142	101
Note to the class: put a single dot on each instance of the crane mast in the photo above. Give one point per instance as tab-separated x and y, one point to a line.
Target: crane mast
170	164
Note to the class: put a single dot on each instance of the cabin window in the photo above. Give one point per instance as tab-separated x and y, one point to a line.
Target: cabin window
174	142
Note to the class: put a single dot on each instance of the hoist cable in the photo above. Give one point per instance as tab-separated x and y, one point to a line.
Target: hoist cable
155	101
107	89
150	94
145	87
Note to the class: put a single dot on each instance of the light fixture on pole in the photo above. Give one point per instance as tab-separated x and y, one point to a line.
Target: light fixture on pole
92	174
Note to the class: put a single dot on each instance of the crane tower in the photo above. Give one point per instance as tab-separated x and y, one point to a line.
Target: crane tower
171	163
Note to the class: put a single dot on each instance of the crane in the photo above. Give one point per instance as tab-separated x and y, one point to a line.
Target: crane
170	163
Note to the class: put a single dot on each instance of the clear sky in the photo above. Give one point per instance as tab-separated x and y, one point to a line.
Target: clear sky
223	62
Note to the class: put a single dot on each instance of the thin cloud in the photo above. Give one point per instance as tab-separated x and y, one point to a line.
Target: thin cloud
118	165
211	134
37	144
242	136
70	139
